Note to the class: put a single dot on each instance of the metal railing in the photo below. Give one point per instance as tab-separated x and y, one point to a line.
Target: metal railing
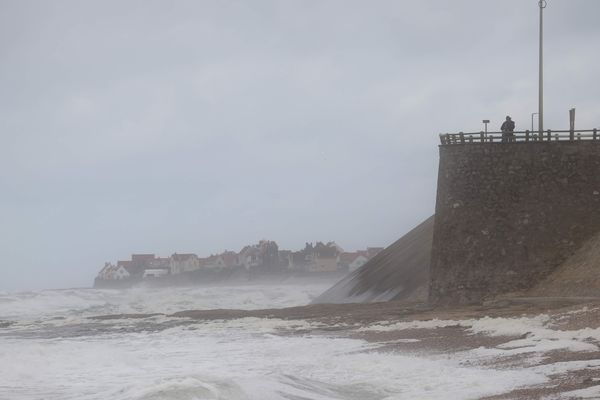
519	136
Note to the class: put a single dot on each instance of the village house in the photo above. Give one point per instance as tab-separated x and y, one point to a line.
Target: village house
250	257
104	272
113	272
229	259
155	273
161	263
298	261
139	263
324	258
207	262
120	273
263	256
318	258
179	263
125	264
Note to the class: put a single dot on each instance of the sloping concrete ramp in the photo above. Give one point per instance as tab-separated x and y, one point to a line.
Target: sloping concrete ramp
400	272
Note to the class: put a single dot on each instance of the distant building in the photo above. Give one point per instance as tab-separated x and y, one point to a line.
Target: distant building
209	262
225	260
120	273
113	272
105	271
161	263
318	258
125	264
155	273
250	257
263	257
298	261
179	263
324	258
139	263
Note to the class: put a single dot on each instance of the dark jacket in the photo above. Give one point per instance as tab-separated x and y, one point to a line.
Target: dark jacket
508	126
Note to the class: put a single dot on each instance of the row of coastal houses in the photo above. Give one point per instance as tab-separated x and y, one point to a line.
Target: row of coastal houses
261	258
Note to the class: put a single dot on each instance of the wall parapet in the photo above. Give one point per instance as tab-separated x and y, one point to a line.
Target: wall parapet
447	139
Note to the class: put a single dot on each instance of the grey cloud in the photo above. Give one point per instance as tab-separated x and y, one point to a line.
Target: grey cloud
198	126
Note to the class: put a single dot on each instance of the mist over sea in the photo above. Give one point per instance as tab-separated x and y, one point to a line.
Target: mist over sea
51	349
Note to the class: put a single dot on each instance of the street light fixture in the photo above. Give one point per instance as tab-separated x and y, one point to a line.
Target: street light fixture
532	114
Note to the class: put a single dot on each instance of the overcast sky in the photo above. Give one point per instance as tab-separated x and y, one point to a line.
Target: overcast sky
199	126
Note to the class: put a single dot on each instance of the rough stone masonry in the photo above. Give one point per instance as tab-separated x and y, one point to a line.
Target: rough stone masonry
507	214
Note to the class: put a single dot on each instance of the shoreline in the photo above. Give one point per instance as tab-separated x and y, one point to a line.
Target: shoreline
218	278
545	336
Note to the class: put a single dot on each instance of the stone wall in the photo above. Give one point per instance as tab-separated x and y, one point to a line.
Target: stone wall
508	214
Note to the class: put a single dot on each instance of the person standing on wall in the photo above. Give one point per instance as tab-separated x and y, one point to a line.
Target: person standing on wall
507	129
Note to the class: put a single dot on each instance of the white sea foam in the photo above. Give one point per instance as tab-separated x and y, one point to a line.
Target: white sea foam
239	359
535	333
87	302
399	326
592	392
249	358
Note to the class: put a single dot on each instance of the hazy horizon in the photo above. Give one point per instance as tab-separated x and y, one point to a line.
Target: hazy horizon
158	127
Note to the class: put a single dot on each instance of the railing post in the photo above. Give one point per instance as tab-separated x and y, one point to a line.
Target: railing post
595	134
556	137
462	137
470	138
572	134
527	135
481	136
578	136
549	135
491	138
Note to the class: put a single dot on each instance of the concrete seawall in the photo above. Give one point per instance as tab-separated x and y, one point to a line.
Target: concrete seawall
400	272
507	214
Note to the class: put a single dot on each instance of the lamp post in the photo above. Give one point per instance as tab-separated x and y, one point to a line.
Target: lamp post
532	114
542	4
485	122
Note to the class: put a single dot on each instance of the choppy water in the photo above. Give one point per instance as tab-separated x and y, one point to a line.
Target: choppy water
50	349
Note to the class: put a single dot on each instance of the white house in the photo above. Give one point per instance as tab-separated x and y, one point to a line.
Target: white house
183	263
120	273
105	272
227	259
112	272
155	273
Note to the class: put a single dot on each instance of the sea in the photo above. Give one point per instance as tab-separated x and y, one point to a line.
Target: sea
51	347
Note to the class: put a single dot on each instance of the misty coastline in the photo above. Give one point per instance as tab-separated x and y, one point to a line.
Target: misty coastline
202	278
